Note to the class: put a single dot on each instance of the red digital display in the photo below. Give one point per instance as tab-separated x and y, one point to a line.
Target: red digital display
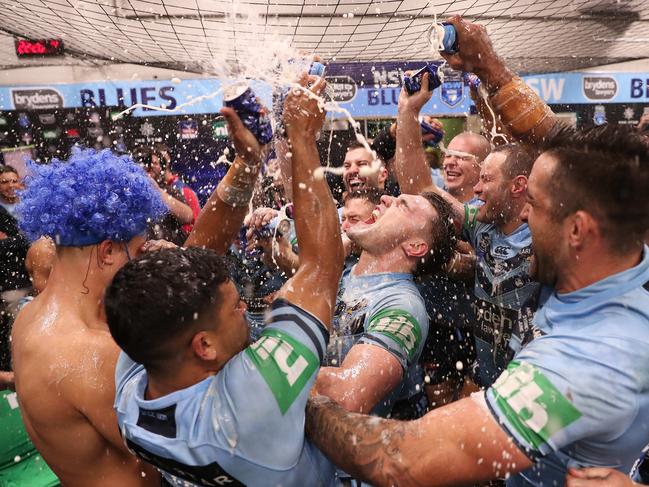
41	47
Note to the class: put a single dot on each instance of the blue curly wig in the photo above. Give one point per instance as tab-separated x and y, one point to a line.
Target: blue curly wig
92	197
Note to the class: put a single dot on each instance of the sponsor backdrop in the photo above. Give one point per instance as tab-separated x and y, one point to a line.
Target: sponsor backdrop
366	90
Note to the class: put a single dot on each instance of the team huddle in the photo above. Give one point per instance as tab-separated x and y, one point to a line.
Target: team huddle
491	326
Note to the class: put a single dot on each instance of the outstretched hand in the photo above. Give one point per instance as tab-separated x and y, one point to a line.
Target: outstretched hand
415	102
476	51
303	112
595	477
248	148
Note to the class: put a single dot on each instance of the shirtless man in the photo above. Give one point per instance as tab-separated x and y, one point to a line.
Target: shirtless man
64	356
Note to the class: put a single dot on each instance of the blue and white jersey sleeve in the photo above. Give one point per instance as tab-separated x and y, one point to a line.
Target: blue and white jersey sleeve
470	226
398	323
557	392
267	386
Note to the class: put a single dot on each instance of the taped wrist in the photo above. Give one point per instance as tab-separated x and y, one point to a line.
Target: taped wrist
519	108
237	186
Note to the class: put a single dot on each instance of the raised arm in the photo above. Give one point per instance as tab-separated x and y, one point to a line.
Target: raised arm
220	220
458	444
412	170
525	116
315	284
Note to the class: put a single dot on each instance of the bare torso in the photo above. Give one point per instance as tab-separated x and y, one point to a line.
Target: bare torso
65	383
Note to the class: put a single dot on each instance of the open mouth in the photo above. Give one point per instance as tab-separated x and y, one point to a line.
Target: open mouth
453	174
356	184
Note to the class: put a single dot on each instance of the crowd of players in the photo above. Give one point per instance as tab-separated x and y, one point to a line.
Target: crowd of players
490	327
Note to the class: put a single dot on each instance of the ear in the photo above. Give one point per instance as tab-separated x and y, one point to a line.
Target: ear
203	346
518	186
106	251
582	226
383	174
415	248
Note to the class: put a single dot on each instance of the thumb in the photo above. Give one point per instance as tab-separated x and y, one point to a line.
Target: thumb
591	473
234	122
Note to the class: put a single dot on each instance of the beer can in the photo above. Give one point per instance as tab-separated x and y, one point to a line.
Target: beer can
443	37
412	83
242	100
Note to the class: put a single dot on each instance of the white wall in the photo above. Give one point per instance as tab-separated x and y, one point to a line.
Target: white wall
637	66
79	74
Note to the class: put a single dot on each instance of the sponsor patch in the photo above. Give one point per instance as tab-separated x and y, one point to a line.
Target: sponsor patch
400	326
532	404
285	364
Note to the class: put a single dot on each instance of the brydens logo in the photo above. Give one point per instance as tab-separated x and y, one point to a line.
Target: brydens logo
599	87
37	99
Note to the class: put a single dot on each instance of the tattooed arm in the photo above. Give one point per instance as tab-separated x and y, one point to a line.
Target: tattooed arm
454	445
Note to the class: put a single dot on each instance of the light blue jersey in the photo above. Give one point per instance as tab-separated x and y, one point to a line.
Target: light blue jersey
578	395
385	310
242	426
502	285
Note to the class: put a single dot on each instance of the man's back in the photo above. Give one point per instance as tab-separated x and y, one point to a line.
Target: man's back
64	380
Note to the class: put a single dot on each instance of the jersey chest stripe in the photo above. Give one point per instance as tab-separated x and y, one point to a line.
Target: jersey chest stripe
306	329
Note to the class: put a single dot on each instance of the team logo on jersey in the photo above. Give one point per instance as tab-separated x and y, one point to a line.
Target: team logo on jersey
532	404
285	364
400	326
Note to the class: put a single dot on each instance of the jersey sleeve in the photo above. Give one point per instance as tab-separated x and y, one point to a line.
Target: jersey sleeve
470	223
398	324
267	385
558	391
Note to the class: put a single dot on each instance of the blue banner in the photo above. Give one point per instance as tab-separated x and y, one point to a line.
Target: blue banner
366	90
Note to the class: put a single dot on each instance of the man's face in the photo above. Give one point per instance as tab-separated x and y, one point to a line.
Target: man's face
155	169
493	189
9	183
461	165
231	324
548	234
359	161
398	221
355	211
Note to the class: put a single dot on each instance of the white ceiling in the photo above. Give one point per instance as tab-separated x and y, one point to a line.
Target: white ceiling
533	35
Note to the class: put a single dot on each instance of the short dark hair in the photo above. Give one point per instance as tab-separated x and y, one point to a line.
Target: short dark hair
144	156
518	162
355	144
444	238
160	296
6	168
373	195
603	170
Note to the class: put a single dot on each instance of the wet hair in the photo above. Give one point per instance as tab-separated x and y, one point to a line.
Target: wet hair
355	144
94	196
604	171
373	195
158	297
6	168
518	162
443	237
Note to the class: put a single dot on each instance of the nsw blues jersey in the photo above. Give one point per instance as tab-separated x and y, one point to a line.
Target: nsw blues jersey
502	285
242	426
385	310
578	395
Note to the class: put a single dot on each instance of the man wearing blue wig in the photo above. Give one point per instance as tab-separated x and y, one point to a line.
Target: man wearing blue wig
96	207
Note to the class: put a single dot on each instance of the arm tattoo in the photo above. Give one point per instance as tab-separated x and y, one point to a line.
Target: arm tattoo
366	447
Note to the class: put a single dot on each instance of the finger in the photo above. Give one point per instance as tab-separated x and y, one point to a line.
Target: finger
303	79
591	473
456	21
424	83
319	85
232	119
